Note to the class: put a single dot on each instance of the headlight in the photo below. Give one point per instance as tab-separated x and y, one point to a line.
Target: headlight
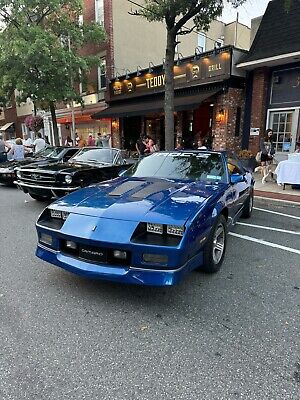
175	230
59	214
155	228
19	175
68	179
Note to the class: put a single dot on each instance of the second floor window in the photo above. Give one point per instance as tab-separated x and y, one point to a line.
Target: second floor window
202	41
102	75
99	11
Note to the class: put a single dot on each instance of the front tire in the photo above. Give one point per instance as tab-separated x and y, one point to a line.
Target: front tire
215	247
39	198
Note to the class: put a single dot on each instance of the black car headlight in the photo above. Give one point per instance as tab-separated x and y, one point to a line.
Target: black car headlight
68	179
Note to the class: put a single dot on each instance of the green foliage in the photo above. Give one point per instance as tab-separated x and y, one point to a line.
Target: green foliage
40	47
175	13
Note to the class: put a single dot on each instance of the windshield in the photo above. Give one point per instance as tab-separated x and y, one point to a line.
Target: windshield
106	156
206	167
55	153
45	152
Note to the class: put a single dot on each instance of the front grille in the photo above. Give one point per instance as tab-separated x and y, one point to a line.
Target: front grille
94	254
37	177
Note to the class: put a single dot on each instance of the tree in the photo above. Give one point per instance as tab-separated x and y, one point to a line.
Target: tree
40	51
175	14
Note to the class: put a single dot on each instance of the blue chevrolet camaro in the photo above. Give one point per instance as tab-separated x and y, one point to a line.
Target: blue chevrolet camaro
167	215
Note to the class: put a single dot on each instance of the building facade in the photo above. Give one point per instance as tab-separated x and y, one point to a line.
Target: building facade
273	68
209	102
132	45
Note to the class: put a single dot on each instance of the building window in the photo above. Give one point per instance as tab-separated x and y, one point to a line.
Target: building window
202	41
102	75
99	11
281	123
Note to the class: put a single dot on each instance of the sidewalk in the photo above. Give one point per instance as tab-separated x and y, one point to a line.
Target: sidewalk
272	191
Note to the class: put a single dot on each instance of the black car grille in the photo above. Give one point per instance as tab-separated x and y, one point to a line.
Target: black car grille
37	177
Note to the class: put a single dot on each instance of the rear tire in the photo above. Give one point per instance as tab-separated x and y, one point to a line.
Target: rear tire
248	206
215	247
40	198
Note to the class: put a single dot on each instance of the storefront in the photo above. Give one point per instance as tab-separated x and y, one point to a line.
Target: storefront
209	99
273	99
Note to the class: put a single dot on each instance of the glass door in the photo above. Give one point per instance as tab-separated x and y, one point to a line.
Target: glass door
284	125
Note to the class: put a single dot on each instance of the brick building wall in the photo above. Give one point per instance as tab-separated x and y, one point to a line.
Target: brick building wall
224	126
259	106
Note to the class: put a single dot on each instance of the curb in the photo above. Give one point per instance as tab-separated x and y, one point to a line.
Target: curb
273	196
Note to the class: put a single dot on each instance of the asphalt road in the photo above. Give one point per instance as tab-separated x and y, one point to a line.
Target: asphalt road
233	335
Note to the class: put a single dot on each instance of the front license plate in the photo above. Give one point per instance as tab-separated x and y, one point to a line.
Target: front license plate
93	254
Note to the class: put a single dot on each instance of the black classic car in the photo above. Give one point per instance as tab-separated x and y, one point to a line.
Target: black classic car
89	165
49	155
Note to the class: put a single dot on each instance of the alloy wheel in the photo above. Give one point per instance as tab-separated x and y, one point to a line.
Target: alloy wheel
218	243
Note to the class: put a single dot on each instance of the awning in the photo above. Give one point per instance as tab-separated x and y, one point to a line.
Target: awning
6	126
151	107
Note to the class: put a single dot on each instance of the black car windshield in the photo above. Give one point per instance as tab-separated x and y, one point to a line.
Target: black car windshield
105	156
45	152
55	153
202	166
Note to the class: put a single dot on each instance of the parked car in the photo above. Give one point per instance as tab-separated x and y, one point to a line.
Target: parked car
49	155
165	216
89	165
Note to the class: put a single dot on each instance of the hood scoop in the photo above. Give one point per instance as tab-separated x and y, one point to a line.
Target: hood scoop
124	188
151	189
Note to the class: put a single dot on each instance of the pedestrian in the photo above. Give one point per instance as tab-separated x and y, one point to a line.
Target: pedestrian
151	145
105	140
77	139
81	142
201	144
99	140
267	152
69	141
17	150
27	141
39	143
3	152
91	141
141	146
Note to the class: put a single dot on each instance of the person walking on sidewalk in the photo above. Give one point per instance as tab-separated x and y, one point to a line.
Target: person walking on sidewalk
267	152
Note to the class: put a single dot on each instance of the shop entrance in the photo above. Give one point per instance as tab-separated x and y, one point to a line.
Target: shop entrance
197	124
155	128
132	132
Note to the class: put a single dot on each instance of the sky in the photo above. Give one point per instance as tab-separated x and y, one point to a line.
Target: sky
250	9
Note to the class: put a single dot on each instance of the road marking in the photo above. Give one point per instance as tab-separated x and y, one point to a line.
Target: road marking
275	212
260	241
268	228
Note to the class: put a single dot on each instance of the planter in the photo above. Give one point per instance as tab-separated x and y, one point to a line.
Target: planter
249	163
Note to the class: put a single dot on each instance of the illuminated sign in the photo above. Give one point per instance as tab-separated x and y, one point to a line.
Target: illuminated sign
216	67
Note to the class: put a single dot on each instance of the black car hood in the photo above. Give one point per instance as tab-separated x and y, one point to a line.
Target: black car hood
65	168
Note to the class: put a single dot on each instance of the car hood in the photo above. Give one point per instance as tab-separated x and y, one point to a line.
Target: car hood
14	163
57	167
154	200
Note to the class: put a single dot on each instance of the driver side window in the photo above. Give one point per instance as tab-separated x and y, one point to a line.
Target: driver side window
233	166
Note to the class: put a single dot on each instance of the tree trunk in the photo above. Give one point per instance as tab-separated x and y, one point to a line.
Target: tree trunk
54	124
169	91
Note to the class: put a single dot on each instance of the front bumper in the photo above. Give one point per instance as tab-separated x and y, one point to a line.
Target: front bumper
40	189
115	273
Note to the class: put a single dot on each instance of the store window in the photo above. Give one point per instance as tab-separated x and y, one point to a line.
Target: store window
99	11
102	75
281	123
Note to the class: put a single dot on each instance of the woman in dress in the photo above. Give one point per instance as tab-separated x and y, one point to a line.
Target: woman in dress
17	150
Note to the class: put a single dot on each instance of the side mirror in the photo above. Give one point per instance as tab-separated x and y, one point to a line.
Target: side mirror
237	178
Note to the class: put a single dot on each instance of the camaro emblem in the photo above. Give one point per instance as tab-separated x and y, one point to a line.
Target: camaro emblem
94	228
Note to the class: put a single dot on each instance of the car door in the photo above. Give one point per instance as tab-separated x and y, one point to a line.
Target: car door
240	190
